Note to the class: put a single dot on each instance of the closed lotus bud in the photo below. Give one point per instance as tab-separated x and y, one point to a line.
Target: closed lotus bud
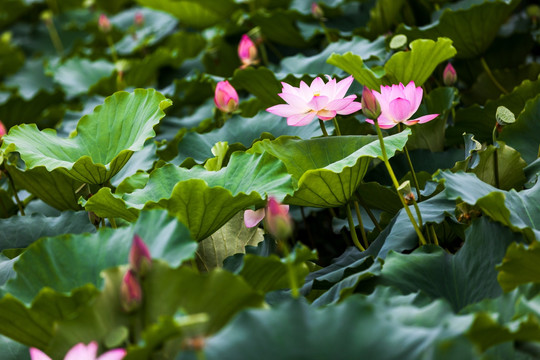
449	75
226	97
370	106
316	11
139	256
2	130
104	24
247	52
139	19
277	219
130	292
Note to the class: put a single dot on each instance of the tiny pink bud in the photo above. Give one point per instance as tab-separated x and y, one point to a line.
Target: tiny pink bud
317	11
226	97
247	52
104	24
130	292
449	75
139	256
277	220
139	19
370	106
2	130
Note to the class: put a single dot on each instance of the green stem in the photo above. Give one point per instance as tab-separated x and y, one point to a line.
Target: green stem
326	32
55	38
113	223
290	270
323	128
413	173
310	237
336	125
200	355
492	77
420	222
264	54
369	212
396	185
434	235
111	47
361	224
352	229
495	159
14	190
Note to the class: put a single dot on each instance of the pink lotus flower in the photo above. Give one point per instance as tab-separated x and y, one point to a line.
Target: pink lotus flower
226	97
449	75
320	100
139	256
139	19
82	352
398	103
130	291
2	130
276	218
104	23
247	52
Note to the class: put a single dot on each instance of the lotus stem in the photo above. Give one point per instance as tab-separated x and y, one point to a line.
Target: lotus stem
113	223
361	224
434	235
492	77
336	125
14	189
413	173
369	212
310	236
352	229
55	38
264	54
290	270
111	47
418	213
396	185
495	159
323	128
326	32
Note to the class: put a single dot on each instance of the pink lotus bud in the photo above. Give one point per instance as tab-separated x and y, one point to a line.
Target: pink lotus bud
81	351
2	130
449	75
370	106
139	256
226	97
139	19
130	292
316	11
104	24
247	52
277	219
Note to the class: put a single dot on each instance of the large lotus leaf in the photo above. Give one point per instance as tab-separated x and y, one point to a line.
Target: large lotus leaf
467	26
418	63
524	134
295	330
316	64
12	350
261	82
203	200
354	65
105	139
520	211
21	231
230	239
77	75
7	204
58	275
467	277
328	170
194	13
31	79
16	110
279	26
480	120
242	131
521	265
218	294
55	187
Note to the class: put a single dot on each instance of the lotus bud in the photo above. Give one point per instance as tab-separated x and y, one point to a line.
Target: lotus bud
370	106
247	51
130	292
47	17
139	19
277	219
2	130
104	24
139	256
226	97
449	75
317	11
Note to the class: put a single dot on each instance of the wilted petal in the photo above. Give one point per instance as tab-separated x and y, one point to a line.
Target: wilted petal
400	109
318	103
284	110
301	119
253	218
36	354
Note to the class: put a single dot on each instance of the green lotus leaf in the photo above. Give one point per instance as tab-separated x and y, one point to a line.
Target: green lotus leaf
327	171
465	23
203	200
194	13
31	79
13	350
295	327
521	265
14	109
524	134
353	64
77	75
279	27
42	292
261	82
105	139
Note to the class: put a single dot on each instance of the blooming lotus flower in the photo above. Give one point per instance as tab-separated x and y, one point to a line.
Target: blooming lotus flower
322	100
226	97
82	352
398	103
247	52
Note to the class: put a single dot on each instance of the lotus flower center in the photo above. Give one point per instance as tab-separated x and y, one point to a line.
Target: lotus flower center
317	94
